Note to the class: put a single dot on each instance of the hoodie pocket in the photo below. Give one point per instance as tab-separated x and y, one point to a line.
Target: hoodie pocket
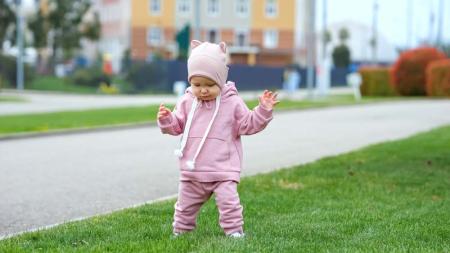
214	155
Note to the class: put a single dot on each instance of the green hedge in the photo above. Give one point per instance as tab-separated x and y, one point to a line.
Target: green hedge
8	72
90	77
375	82
438	78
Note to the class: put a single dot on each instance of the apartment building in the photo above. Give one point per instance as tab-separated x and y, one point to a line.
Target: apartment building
152	29
273	29
115	20
268	32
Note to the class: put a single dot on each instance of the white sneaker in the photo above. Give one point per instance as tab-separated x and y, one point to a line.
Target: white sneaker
236	235
176	234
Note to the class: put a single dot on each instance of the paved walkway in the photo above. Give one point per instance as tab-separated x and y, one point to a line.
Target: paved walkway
37	102
48	180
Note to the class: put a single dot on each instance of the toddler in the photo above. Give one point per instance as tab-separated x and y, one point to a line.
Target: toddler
212	117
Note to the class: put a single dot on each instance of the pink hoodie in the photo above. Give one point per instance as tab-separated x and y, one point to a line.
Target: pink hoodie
220	157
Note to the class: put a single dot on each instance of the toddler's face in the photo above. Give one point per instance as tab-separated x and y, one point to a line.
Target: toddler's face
204	88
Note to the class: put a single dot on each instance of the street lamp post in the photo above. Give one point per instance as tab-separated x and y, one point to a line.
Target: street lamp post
19	15
310	46
197	14
374	32
324	25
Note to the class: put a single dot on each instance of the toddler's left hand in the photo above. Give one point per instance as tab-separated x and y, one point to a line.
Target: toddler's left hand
268	100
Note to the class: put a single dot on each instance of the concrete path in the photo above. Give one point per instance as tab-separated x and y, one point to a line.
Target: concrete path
48	180
38	102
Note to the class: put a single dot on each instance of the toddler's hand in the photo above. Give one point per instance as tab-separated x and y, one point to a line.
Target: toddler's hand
163	112
268	100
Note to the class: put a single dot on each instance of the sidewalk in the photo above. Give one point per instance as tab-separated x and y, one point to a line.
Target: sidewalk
49	180
52	102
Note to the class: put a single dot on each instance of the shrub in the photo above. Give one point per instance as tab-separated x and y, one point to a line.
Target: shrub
438	78
148	76
104	88
408	74
376	82
8	71
341	56
2	82
91	77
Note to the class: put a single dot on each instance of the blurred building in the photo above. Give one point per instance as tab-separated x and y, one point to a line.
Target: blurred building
115	31
359	42
268	32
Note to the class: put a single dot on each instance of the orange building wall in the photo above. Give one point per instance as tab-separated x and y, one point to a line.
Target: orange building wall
140	48
138	43
142	19
141	15
227	35
285	38
284	20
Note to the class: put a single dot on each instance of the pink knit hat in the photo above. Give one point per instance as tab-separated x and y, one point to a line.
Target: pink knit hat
208	60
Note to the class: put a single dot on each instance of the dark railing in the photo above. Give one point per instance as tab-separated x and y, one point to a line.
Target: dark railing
160	76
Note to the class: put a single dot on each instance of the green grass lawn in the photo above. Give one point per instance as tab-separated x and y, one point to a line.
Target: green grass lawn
391	197
44	122
55	84
51	83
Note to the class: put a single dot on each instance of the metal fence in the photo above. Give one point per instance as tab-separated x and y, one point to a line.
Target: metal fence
160	76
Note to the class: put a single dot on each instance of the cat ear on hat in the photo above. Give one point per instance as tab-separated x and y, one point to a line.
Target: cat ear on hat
223	46
195	43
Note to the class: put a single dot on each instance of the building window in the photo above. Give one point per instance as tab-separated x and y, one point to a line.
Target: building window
212	36
213	7
242	8
270	38
241	38
184	6
154	36
271	9
155	7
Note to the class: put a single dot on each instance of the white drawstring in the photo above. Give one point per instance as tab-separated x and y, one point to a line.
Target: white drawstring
179	152
191	164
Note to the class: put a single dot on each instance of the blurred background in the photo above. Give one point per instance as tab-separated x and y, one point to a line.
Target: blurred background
140	46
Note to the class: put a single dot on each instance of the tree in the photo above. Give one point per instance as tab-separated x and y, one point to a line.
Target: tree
344	35
327	37
341	56
40	28
7	22
373	42
341	53
62	25
183	39
445	48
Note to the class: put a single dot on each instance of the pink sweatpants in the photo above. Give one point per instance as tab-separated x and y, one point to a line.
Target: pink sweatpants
191	196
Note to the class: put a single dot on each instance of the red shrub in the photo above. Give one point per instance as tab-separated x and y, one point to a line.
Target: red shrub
408	73
438	78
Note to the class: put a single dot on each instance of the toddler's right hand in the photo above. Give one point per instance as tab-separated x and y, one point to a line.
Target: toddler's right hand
163	111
